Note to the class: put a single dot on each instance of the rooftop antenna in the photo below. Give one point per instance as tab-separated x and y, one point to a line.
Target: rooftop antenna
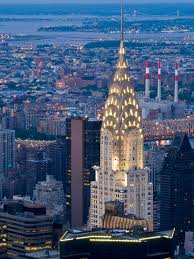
122	19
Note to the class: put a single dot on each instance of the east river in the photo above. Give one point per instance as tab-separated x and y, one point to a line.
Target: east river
23	25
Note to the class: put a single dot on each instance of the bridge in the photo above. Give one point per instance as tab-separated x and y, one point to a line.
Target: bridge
176	14
166	129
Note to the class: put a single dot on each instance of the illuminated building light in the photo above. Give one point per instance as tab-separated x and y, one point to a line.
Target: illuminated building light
92	236
36	248
66	240
172	235
127	129
114	241
110	239
3	244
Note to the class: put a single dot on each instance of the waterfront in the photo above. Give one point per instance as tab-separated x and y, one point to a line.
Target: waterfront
26	20
33	23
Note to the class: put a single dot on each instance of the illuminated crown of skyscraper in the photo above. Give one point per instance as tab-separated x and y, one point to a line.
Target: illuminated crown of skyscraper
122	112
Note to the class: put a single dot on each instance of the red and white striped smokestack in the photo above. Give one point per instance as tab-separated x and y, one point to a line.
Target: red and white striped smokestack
176	87
159	81
147	80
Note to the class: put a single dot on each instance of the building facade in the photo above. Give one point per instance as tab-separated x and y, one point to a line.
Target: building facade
121	175
3	239
122	244
83	152
7	151
27	227
176	188
51	194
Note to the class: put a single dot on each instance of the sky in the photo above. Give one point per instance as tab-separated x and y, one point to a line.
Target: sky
89	1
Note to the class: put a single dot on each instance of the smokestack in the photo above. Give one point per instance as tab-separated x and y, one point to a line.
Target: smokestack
159	82
176	88
147	81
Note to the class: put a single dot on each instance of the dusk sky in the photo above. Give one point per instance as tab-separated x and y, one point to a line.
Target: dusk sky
89	1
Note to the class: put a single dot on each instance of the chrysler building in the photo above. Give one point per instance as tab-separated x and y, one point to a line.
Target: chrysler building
121	175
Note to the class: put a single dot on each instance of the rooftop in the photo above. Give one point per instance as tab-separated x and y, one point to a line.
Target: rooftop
115	236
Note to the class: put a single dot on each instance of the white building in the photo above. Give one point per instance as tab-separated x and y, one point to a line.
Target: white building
51	194
121	175
153	109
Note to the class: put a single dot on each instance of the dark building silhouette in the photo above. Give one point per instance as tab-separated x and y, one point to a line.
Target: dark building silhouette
7	151
57	154
83	152
177	187
106	244
37	170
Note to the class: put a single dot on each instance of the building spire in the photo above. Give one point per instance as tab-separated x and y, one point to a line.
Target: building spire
122	64
122	19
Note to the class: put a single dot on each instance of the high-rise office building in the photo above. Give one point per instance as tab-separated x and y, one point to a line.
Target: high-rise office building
57	154
51	194
83	142
154	154
176	190
37	170
3	239
121	175
28	228
7	151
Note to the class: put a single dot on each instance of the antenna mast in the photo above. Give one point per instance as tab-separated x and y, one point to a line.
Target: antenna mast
122	19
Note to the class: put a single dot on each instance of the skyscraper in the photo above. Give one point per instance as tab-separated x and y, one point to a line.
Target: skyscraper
7	151
176	191
83	140
37	170
121	175
57	154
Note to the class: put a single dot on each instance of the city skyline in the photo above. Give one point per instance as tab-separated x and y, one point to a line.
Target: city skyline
96	136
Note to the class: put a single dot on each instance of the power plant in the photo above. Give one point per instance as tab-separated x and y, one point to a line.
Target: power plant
158	108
